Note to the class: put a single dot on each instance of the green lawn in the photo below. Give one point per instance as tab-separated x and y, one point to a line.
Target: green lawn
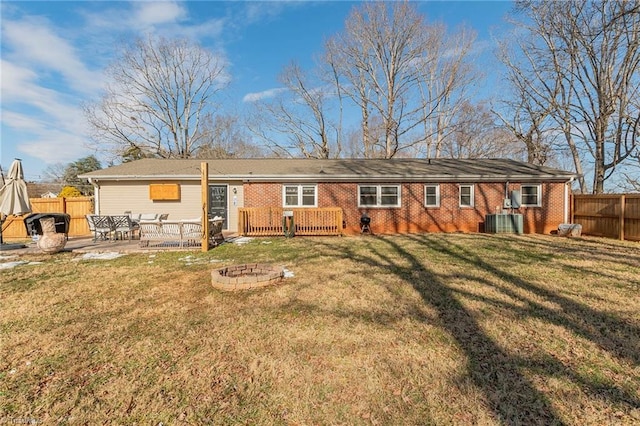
417	329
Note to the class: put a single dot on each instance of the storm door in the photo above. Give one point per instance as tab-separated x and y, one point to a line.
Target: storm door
218	205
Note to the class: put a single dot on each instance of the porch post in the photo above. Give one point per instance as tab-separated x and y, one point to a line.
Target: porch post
204	184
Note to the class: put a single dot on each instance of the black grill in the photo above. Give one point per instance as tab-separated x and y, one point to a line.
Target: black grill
32	222
365	222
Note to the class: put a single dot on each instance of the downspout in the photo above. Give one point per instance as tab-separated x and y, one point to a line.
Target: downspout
96	196
567	208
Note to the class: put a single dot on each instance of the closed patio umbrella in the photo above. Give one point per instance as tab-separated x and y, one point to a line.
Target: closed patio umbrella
14	199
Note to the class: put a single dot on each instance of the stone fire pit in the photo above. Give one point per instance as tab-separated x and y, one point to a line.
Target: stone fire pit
244	277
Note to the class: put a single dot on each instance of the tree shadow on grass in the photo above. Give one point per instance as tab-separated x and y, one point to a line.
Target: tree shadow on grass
613	334
592	249
511	395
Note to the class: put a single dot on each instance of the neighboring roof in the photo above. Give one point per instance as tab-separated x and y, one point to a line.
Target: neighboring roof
38	189
344	170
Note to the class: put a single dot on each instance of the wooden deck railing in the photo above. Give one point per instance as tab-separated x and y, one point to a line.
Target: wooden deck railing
268	221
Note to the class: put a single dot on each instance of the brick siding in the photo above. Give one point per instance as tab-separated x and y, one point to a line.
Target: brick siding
413	217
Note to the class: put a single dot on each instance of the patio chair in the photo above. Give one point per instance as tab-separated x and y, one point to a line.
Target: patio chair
123	225
148	217
215	232
89	217
102	227
191	233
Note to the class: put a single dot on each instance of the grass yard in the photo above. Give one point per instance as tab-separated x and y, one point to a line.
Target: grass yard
417	329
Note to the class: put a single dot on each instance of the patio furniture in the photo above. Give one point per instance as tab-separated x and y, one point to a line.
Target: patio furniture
123	225
181	234
162	234
61	222
215	232
102	227
149	217
92	227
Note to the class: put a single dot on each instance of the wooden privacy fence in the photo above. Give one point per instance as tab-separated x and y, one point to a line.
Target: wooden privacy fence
613	216
268	221
76	208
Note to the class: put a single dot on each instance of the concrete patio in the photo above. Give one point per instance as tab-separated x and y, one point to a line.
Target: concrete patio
87	245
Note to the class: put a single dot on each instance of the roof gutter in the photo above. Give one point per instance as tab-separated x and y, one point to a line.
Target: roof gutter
339	178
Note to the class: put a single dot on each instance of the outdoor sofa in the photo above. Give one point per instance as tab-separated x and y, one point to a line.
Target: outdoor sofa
180	233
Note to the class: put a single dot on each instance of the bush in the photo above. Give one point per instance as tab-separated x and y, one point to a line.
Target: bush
70	192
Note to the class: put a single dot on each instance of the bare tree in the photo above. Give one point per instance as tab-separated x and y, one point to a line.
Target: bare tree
397	68
474	134
446	84
226	137
55	173
159	91
582	62
523	111
299	119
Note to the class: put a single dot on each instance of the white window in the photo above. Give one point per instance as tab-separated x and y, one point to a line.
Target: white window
466	196
300	195
379	196
432	195
531	195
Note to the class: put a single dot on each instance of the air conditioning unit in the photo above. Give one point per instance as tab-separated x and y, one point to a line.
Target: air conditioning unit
503	224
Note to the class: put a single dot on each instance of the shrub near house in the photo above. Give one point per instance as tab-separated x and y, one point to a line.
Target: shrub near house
69	192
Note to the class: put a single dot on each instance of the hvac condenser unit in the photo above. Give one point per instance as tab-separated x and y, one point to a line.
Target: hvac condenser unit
503	224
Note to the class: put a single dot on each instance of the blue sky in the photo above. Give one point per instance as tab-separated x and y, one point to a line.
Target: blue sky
53	55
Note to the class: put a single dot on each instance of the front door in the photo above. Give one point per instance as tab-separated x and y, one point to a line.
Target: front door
218	202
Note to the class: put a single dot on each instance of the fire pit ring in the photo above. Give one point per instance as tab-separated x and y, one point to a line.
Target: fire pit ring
245	277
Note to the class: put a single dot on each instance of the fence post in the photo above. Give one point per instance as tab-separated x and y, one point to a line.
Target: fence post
622	216
572	204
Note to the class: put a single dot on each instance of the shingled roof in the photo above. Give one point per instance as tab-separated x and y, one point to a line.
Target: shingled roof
277	169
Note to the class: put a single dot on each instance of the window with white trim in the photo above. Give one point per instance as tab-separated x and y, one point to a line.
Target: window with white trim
466	196
530	195
379	196
300	195
432	195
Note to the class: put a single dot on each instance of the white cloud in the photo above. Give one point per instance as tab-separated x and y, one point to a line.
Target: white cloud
34	42
209	29
20	86
22	122
155	13
266	94
38	121
167	18
48	71
55	147
265	10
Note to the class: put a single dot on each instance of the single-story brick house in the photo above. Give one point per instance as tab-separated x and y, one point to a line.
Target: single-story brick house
399	195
